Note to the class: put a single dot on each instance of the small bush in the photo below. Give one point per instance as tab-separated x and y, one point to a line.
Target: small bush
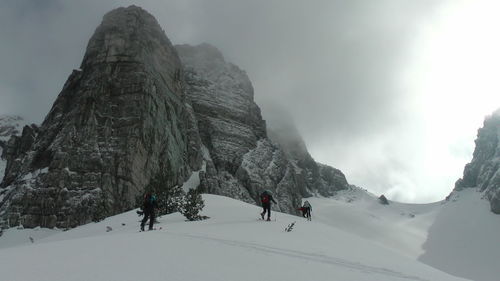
193	206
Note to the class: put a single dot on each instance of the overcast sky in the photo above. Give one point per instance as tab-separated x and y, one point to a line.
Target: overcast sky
390	92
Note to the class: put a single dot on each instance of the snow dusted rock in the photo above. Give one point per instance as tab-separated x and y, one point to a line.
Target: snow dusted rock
118	120
229	121
10	126
313	177
240	161
483	171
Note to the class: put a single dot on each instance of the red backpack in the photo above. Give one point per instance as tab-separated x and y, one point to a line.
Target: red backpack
265	198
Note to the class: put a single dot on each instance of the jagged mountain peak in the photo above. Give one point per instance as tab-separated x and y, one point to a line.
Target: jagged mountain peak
132	35
117	122
483	172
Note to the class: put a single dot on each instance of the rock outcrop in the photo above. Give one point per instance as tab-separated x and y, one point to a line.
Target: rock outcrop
383	200
483	172
119	119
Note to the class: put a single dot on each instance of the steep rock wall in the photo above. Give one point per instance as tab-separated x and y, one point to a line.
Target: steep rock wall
118	120
483	172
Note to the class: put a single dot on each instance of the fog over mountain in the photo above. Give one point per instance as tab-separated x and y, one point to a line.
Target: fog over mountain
390	92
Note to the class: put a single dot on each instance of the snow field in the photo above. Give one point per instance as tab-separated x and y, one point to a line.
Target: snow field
232	245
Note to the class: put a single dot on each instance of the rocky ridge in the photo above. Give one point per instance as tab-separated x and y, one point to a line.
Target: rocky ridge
483	172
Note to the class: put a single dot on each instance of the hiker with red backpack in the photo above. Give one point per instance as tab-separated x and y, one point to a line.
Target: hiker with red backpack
306	210
266	198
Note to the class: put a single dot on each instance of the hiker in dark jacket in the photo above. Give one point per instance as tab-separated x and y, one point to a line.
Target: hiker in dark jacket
148	207
266	198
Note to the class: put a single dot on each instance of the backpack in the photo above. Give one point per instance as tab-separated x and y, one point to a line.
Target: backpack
265	198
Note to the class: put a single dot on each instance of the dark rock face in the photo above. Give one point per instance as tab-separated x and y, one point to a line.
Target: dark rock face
240	161
313	177
118	120
483	172
229	121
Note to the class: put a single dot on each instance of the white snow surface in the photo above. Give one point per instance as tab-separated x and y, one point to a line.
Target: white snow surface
232	245
465	238
194	180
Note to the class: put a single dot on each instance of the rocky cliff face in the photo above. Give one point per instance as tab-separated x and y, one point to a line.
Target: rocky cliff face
241	161
483	172
313	177
139	106
119	119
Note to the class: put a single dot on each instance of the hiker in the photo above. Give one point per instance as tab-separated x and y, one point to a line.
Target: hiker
148	207
306	210
265	198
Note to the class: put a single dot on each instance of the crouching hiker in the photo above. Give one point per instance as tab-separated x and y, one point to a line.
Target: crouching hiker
148	207
266	198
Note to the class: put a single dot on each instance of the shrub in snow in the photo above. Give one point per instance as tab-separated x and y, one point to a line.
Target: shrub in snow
100	211
170	199
174	199
193	205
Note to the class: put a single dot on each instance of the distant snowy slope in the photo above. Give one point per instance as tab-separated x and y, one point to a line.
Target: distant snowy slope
232	245
401	227
459	236
465	238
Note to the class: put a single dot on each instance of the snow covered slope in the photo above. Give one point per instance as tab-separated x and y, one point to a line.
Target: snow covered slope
232	245
400	227
459	236
465	238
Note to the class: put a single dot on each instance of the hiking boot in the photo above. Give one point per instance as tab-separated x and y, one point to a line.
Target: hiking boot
262	215
268	219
